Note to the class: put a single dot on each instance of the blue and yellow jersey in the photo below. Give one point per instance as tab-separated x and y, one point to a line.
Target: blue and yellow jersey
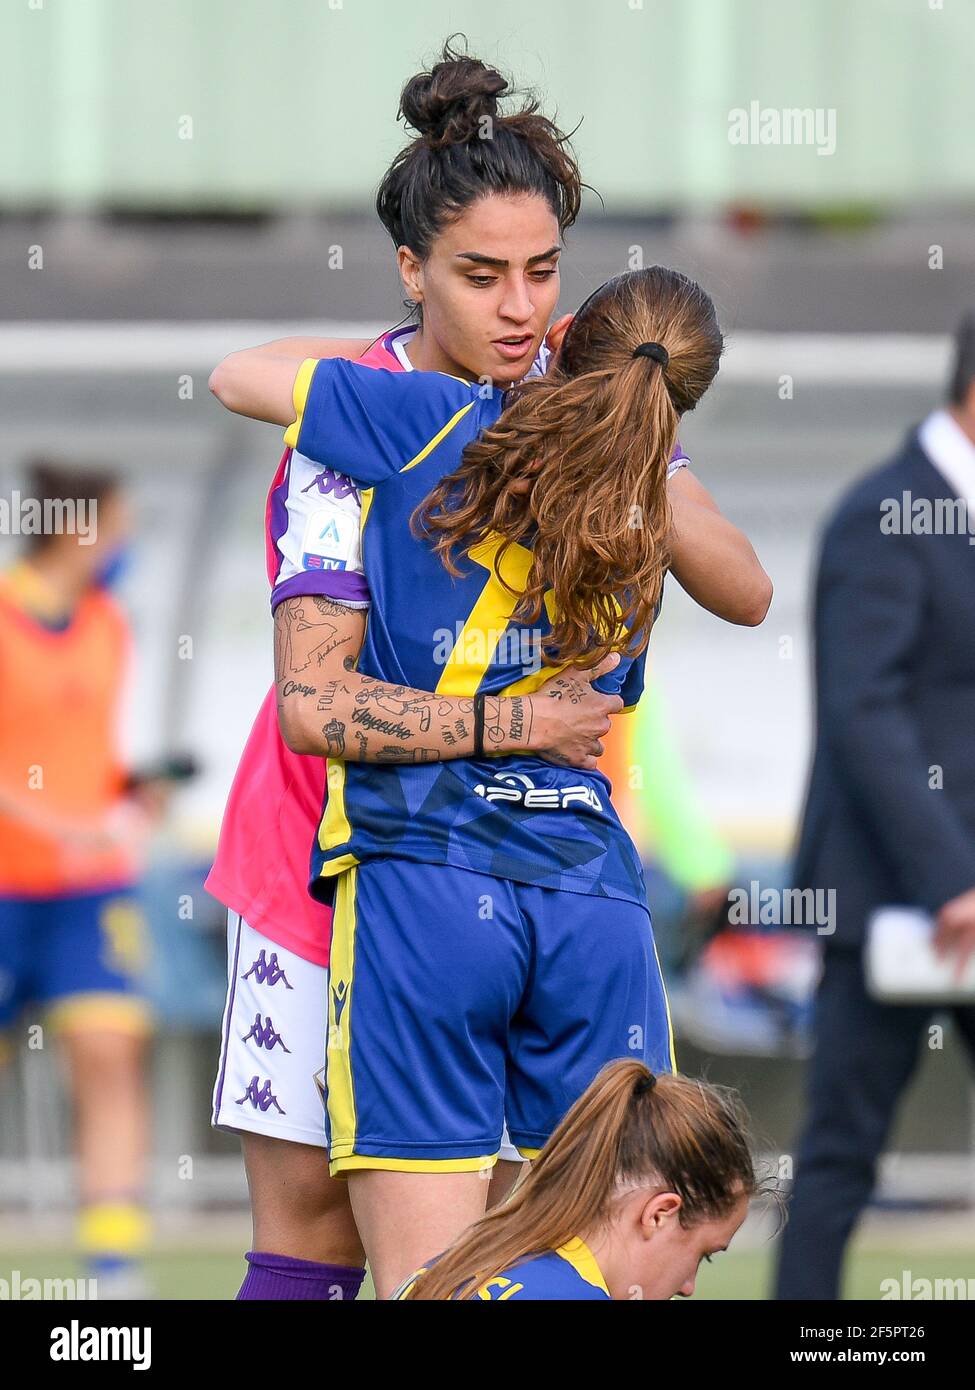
396	435
569	1273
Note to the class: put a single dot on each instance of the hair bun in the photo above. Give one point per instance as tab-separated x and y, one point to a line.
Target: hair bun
446	105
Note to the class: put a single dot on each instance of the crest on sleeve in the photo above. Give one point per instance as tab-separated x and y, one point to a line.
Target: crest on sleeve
331	541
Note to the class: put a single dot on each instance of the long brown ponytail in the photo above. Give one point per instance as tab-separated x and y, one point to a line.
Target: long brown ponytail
680	1135
576	465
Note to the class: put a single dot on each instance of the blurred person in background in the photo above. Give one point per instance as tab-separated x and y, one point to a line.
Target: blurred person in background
895	686
72	938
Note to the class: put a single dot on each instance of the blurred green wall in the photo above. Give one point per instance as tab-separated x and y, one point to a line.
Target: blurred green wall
292	102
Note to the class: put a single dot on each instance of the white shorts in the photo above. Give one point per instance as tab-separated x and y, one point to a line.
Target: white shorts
273	1040
272	1051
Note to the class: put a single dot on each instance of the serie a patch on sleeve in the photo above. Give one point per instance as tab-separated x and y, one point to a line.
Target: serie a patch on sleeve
331	540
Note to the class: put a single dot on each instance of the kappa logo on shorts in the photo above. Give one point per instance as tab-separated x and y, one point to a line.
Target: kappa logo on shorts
327	482
261	1097
340	997
519	788
268	972
264	1034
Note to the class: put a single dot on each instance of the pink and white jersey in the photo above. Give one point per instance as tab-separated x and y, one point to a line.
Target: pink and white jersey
275	804
262	865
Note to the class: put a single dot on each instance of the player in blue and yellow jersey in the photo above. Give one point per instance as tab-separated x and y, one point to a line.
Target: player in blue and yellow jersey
478	229
644	1178
499	549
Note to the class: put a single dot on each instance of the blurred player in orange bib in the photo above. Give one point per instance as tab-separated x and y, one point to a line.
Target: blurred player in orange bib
72	938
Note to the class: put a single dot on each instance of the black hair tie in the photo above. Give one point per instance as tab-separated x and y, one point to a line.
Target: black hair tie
644	1084
655	350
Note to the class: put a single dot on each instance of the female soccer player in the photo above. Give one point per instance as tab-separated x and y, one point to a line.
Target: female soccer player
644	1178
304	1237
564	553
477	226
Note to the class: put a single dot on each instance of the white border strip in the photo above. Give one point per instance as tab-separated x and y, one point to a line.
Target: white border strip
842	359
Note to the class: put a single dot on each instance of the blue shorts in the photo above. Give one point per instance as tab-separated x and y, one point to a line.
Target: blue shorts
457	1000
81	956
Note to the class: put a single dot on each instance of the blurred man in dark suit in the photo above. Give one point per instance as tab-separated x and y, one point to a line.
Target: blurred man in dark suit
890	813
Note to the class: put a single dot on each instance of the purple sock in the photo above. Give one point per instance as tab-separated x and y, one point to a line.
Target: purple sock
278	1277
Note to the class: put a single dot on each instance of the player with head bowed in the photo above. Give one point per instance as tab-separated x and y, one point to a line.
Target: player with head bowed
644	1179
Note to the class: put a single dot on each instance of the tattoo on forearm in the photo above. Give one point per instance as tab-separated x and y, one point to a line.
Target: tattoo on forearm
520	716
454	733
328	693
390	753
334	732
390	699
493	730
382	726
379	721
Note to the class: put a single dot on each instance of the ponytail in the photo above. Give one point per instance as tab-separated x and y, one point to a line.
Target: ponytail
575	467
628	1129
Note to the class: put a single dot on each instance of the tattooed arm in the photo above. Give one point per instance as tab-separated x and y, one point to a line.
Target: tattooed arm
326	707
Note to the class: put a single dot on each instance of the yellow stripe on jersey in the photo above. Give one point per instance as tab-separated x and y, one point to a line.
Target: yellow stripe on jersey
341	971
487	623
299	395
577	1253
334	828
438	437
